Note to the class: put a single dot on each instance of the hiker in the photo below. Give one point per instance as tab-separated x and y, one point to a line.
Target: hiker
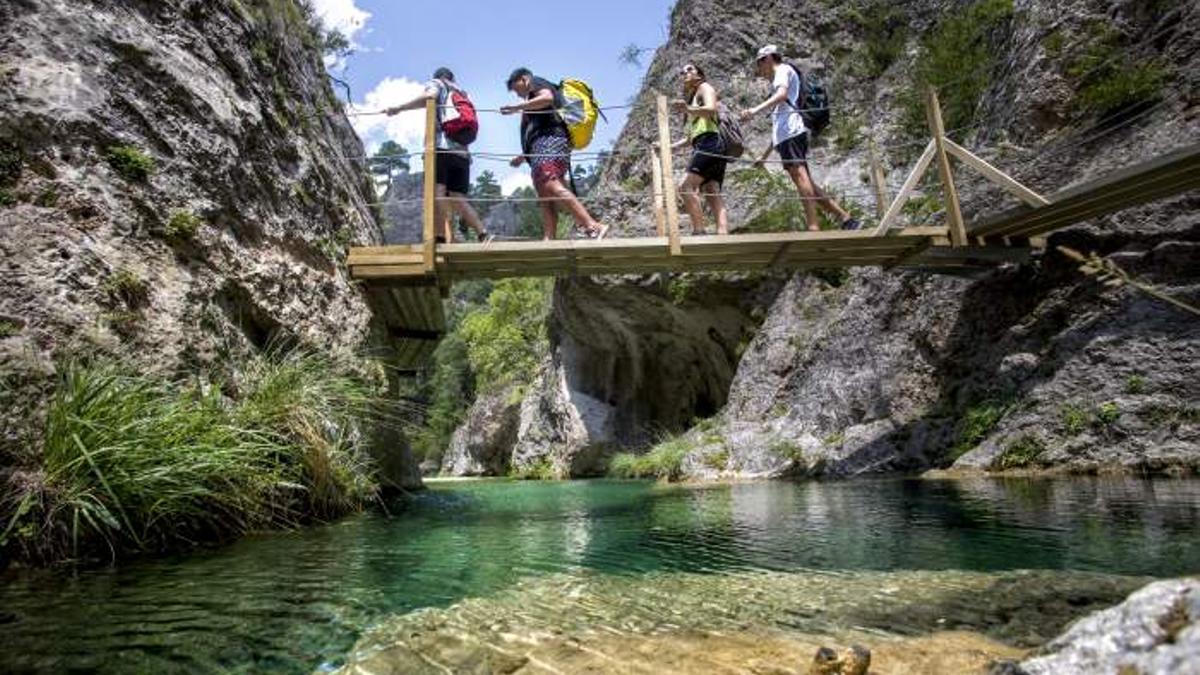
791	137
453	162
706	171
546	145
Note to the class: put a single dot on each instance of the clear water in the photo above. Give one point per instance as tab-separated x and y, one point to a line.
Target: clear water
296	602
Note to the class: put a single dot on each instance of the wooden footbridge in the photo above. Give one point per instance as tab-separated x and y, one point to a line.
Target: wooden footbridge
407	282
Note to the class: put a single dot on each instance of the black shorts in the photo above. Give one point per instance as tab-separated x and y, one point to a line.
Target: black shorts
705	162
454	171
794	150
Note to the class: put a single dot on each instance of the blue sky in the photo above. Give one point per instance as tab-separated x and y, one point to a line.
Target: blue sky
399	43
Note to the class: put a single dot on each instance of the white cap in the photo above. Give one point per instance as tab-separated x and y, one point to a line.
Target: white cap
769	50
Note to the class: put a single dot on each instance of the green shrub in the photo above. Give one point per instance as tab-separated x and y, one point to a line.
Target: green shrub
182	226
1021	453
958	58
1105	83
1135	384
7	198
506	340
11	160
1074	420
449	393
127	287
885	33
717	460
664	462
47	199
130	163
979	421
135	463
542	469
788	450
835	439
847	133
8	328
1108	413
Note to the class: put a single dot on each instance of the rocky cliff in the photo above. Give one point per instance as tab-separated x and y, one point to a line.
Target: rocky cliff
1033	366
178	186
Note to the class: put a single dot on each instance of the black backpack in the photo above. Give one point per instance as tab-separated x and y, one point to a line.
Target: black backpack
814	101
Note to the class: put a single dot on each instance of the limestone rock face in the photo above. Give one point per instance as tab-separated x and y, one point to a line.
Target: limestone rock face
482	446
1034	366
179	186
1156	631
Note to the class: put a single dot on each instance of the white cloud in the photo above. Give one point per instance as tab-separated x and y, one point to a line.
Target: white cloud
406	128
342	15
512	181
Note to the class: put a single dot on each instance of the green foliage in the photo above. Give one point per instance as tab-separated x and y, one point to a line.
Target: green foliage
1021	453
921	208
47	199
1170	417
1106	83
506	340
885	33
390	160
1108	413
717	460
8	328
847	133
486	187
182	226
130	163
529	218
450	390
140	464
1074	420
789	451
835	439
977	423
127	287
634	183
773	201
10	163
1135	384
679	286
7	198
664	462
958	58
542	469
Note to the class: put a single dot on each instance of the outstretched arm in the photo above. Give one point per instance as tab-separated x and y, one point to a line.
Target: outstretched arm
415	104
778	97
543	100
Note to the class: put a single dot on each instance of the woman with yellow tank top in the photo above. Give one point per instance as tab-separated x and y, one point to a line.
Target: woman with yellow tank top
706	171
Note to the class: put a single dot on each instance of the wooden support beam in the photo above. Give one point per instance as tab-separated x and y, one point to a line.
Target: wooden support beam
664	141
429	236
878	180
910	183
995	175
958	231
660	216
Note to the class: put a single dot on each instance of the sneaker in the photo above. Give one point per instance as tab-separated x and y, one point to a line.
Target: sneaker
852	224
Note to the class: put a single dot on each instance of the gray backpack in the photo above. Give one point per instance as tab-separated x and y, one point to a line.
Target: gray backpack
730	131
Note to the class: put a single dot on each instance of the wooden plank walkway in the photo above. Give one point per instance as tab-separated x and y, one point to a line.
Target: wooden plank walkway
403	265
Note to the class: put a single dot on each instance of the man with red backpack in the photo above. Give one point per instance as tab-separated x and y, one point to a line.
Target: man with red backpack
456	128
791	135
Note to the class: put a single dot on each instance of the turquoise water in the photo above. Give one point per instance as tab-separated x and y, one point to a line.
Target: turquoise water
295	602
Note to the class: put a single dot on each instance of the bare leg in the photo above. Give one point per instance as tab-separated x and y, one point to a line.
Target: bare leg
559	192
549	214
690	190
712	194
459	203
441	214
807	192
827	203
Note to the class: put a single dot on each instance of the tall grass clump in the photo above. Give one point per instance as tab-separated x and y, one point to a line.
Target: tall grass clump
132	463
664	462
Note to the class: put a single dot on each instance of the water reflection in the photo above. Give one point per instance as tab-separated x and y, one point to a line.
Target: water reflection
290	601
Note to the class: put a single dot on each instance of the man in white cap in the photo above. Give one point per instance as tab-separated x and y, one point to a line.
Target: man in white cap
790	137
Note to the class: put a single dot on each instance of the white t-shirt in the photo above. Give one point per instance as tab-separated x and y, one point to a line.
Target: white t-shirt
446	112
789	123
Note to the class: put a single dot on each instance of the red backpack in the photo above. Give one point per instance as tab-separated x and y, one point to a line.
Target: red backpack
464	128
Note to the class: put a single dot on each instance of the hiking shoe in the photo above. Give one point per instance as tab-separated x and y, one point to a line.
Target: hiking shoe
852	224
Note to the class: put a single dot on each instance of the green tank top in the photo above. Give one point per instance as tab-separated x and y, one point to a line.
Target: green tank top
698	126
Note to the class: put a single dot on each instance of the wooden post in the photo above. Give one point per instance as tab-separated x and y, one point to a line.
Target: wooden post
428	212
660	217
878	180
664	140
958	232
